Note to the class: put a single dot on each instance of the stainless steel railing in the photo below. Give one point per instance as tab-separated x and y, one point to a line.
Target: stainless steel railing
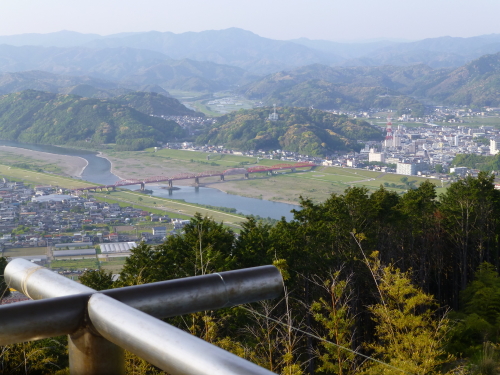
101	324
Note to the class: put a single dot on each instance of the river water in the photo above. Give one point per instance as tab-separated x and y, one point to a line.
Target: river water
98	171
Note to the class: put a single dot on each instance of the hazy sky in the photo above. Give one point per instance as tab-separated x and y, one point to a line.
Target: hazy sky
339	20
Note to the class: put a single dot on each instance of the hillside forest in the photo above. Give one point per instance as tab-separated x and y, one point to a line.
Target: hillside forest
304	130
375	283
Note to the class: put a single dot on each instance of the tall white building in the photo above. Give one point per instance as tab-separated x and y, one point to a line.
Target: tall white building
494	146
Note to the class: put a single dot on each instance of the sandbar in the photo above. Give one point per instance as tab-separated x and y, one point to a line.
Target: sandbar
72	166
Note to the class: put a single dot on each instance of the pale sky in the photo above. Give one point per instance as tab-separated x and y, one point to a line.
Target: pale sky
338	20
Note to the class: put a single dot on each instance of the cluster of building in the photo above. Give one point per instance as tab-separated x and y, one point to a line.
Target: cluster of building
407	150
418	150
37	217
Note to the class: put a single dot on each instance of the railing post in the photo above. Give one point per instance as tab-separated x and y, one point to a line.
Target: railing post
90	354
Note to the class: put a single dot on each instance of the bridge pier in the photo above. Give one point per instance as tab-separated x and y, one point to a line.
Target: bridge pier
293	170
247	176
170	183
197	181
222	177
143	186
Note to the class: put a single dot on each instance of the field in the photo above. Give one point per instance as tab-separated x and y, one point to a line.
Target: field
39	178
161	206
317	185
25	251
212	105
480	121
112	264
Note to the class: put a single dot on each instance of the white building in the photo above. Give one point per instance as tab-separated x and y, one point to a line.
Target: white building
411	169
494	146
376	156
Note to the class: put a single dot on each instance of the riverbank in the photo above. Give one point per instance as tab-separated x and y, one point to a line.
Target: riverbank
145	164
71	166
112	169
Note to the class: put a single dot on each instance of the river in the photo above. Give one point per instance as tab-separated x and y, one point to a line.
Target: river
98	171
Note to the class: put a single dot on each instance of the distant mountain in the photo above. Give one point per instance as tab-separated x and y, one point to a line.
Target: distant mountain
341	87
303	130
302	72
56	83
190	75
258	55
344	50
133	68
58	39
442	52
232	46
39	117
476	84
109	64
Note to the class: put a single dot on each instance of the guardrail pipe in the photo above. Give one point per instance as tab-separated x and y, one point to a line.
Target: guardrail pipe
37	282
169	348
64	311
200	293
35	320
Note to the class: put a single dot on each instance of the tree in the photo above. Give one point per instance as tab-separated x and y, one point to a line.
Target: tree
471	217
97	279
205	247
478	320
4	289
410	335
333	313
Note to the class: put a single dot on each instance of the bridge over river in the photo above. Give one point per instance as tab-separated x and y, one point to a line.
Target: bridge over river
196	176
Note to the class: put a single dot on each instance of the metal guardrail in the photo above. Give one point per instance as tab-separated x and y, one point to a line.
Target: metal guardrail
101	324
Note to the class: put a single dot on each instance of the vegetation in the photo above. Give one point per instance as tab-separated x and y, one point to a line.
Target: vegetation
307	131
4	290
475	84
38	117
155	104
427	255
481	162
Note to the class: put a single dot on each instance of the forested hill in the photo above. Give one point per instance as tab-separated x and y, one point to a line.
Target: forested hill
155	104
476	83
39	117
303	130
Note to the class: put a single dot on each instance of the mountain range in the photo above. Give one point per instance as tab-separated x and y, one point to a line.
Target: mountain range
476	83
261	55
301	72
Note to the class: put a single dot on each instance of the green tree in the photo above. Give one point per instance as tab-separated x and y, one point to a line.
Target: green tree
471	217
97	279
205	247
410	335
4	289
333	313
478	320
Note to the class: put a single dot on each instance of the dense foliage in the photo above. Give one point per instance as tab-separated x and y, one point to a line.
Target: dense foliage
481	162
155	104
370	273
382	303
302	130
39	117
323	94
